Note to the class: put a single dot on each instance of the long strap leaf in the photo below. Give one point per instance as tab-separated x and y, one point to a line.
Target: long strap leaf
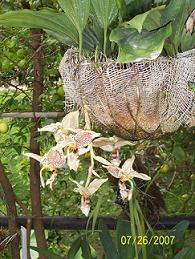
107	242
46	19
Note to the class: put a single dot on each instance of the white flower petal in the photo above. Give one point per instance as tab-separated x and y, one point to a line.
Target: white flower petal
114	171
82	150
101	160
116	162
51	128
94	173
51	180
87	120
80	188
71	120
100	142
95	185
72	161
107	148
85	207
122	143
34	156
84	138
190	22
68	140
128	164
41	178
139	175
124	192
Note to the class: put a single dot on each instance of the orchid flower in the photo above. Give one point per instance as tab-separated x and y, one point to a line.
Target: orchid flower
86	193
112	144
125	174
53	160
60	129
68	135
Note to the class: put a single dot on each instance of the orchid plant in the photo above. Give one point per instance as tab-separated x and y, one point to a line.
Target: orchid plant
72	142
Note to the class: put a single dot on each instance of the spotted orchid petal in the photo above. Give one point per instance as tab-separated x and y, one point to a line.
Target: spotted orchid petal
95	185
56	158
84	137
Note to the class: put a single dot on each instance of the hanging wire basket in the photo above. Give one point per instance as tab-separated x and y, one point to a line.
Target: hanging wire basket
136	101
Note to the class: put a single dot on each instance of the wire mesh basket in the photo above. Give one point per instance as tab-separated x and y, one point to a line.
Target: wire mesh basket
136	101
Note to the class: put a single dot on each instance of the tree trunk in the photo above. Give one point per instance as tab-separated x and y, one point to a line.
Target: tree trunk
11	211
36	37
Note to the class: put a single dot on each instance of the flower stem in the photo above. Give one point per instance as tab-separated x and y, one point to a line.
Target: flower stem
91	166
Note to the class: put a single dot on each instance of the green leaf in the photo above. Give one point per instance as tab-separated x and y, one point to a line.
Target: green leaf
93	36
105	11
177	13
74	248
130	49
126	251
78	12
178	153
138	21
86	251
138	6
46	19
107	243
122	7
186	253
46	252
61	38
187	41
152	21
179	231
171	11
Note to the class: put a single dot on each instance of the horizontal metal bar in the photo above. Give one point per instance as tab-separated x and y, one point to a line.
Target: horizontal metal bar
76	223
32	114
